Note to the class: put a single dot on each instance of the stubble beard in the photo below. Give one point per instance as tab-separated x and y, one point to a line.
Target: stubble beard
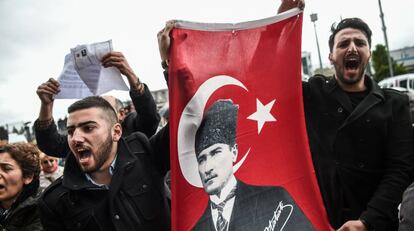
349	81
102	156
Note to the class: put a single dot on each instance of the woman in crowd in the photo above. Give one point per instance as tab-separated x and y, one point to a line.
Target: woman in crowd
19	183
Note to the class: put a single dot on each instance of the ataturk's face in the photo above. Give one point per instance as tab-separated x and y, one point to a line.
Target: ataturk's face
215	166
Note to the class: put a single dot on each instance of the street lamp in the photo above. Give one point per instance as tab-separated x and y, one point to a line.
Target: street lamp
314	18
384	29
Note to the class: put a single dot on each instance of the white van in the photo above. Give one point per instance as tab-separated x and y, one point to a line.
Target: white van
403	81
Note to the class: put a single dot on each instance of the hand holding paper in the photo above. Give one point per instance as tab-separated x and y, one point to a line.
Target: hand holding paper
83	75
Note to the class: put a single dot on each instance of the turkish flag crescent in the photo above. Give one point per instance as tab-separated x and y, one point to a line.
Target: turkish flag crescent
239	151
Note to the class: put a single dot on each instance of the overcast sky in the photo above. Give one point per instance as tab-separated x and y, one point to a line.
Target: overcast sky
36	35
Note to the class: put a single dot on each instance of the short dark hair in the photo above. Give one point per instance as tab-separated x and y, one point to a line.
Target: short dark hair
355	23
95	102
218	126
27	157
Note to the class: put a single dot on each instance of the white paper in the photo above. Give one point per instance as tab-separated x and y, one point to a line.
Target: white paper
71	85
83	69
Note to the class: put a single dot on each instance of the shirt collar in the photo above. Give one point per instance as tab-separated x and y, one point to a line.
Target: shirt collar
225	191
111	172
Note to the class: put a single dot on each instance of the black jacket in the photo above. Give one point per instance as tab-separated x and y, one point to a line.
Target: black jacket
23	214
146	117
144	120
257	207
135	199
362	156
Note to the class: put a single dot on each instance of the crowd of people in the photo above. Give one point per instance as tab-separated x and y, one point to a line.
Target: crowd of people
116	173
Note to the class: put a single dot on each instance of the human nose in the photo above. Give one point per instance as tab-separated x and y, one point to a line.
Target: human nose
77	137
2	173
352	48
208	167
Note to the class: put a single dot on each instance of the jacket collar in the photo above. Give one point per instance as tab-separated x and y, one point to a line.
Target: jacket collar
374	97
333	88
30	201
372	87
124	162
75	179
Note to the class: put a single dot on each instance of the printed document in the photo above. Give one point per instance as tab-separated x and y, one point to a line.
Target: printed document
83	74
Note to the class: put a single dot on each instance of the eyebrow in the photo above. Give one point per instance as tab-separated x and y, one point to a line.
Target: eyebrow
82	124
362	39
6	164
211	151
353	38
214	150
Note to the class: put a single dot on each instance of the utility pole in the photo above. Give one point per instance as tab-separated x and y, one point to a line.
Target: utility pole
314	18
384	29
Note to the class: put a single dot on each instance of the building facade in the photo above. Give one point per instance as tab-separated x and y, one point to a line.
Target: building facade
405	56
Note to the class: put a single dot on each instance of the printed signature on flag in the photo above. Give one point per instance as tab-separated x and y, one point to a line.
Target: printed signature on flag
277	215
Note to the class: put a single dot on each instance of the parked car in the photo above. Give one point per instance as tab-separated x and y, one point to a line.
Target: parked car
404	81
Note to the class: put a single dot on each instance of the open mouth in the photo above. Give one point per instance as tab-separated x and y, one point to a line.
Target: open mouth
352	62
84	154
2	187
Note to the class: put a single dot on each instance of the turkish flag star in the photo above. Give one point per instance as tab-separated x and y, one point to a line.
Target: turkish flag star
262	114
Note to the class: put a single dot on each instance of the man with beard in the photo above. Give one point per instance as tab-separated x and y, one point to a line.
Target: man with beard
359	135
109	182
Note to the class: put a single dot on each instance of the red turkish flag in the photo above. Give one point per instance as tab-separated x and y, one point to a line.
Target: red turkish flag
252	70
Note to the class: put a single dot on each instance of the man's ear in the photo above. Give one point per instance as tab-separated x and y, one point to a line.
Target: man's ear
330	58
235	152
116	132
